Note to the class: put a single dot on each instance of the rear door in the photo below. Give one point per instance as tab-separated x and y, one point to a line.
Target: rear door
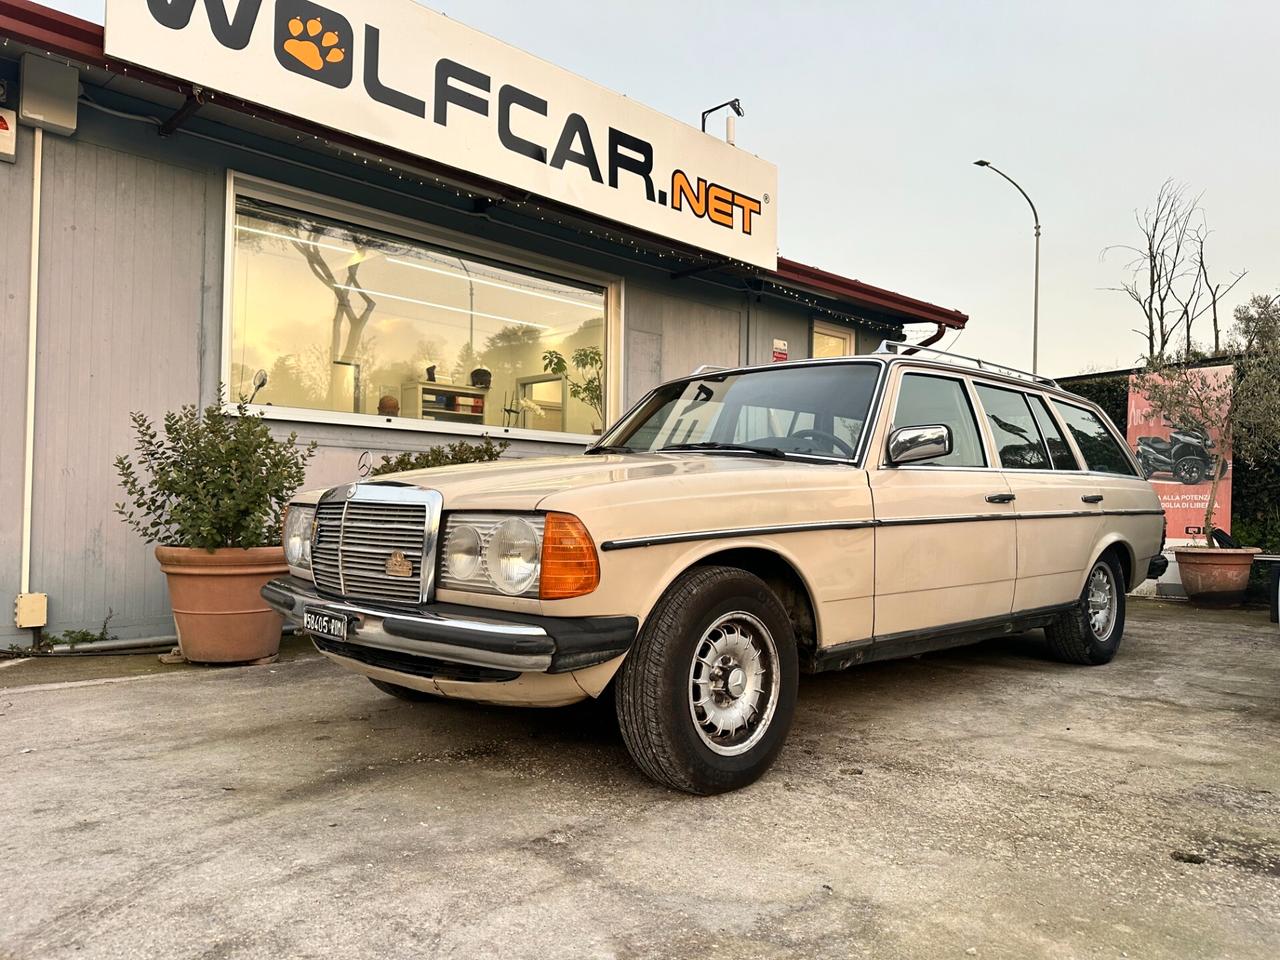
1130	507
1058	505
945	535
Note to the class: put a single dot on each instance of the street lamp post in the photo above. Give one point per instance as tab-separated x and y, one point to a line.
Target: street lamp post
1035	309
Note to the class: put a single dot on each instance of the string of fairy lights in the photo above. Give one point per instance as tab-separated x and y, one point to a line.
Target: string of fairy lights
666	258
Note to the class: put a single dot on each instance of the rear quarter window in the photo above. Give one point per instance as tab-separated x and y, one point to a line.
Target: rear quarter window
1101	451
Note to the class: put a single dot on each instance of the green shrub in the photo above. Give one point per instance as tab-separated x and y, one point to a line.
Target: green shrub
442	456
212	479
1109	391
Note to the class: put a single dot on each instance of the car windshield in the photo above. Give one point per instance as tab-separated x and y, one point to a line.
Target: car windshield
817	410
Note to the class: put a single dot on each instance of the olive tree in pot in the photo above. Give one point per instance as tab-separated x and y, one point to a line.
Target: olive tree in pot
209	489
1243	414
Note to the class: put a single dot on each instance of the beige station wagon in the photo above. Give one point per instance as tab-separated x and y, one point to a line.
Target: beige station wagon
735	529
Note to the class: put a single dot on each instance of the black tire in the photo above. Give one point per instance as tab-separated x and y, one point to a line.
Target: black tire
403	693
655	687
1072	638
1190	470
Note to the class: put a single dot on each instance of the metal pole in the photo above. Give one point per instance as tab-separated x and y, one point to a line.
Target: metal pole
1035	309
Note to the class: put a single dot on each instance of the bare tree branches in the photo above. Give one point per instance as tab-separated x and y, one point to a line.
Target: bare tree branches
1170	280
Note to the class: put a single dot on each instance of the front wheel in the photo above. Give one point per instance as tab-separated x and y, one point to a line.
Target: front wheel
1090	632
706	696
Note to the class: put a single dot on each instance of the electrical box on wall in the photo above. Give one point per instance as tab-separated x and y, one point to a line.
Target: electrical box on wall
8	135
48	94
31	610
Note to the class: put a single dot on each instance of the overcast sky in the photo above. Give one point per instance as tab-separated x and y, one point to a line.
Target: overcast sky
874	112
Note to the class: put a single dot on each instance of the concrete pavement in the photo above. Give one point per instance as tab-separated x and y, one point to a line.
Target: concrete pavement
981	802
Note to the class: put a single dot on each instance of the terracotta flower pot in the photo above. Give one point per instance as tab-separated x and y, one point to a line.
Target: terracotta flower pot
220	616
1213	575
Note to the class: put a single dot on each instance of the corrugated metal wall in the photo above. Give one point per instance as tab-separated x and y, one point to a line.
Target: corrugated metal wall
130	319
121	276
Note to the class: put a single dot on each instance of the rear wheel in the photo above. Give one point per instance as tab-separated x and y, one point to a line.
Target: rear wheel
706	696
1090	632
402	693
1190	470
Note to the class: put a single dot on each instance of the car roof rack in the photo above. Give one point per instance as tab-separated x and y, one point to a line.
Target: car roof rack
902	349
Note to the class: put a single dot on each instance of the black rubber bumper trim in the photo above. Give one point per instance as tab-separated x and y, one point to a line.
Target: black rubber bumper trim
573	642
577	642
1158	567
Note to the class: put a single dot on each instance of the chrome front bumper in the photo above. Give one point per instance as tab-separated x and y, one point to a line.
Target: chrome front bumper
453	634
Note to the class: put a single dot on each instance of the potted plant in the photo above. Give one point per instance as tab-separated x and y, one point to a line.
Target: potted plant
209	490
1241	414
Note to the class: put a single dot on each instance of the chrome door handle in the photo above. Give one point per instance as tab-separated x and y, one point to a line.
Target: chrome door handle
1001	498
1093	498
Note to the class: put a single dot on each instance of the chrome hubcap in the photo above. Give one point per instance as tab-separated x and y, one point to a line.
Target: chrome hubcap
1102	601
733	683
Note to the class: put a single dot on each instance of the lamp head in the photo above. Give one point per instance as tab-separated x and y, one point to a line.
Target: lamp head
737	107
982	163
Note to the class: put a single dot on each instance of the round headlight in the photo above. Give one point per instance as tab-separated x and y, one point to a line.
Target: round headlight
462	555
513	555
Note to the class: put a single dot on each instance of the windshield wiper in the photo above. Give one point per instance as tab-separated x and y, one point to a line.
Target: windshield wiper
731	447
611	449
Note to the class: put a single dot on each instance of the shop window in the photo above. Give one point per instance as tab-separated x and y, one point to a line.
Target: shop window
359	323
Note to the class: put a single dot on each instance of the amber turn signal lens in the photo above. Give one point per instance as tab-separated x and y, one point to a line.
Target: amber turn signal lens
570	565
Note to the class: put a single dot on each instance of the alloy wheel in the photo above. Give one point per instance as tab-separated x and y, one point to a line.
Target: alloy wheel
733	683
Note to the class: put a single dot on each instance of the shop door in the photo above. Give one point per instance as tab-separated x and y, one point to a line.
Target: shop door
832	341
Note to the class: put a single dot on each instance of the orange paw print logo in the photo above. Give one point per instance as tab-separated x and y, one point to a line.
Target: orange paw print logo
317	48
314	42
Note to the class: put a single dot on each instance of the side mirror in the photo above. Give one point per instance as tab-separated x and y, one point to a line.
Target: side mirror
915	444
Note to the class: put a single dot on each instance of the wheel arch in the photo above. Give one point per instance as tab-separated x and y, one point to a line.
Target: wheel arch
772	564
1117	546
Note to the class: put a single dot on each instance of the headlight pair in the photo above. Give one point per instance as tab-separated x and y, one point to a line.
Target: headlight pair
298	524
549	556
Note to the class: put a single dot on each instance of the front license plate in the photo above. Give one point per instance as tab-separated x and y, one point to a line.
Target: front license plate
325	623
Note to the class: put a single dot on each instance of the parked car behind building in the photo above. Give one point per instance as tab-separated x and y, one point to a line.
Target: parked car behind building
736	528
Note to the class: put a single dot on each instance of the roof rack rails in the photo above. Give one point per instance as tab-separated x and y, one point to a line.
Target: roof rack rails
902	349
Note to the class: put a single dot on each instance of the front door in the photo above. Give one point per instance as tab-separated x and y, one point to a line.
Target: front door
946	552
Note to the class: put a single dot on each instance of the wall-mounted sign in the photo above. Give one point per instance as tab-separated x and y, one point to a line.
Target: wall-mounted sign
395	73
8	135
1179	460
780	351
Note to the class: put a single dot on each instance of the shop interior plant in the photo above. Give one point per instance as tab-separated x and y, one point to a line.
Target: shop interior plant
209	488
588	386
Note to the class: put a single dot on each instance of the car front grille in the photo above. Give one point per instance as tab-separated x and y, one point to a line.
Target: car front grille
361	542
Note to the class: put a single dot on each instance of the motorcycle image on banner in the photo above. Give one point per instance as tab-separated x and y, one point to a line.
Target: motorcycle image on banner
1179	461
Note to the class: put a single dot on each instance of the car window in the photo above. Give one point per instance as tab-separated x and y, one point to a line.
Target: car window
816	410
1059	451
1101	451
1018	441
925	400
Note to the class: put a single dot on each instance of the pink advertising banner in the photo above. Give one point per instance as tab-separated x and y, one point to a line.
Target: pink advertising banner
1178	460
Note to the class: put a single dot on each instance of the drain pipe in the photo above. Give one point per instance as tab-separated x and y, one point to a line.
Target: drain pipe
33	289
928	341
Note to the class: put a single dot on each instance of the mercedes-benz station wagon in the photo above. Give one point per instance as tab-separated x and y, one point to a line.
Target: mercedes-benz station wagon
735	529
